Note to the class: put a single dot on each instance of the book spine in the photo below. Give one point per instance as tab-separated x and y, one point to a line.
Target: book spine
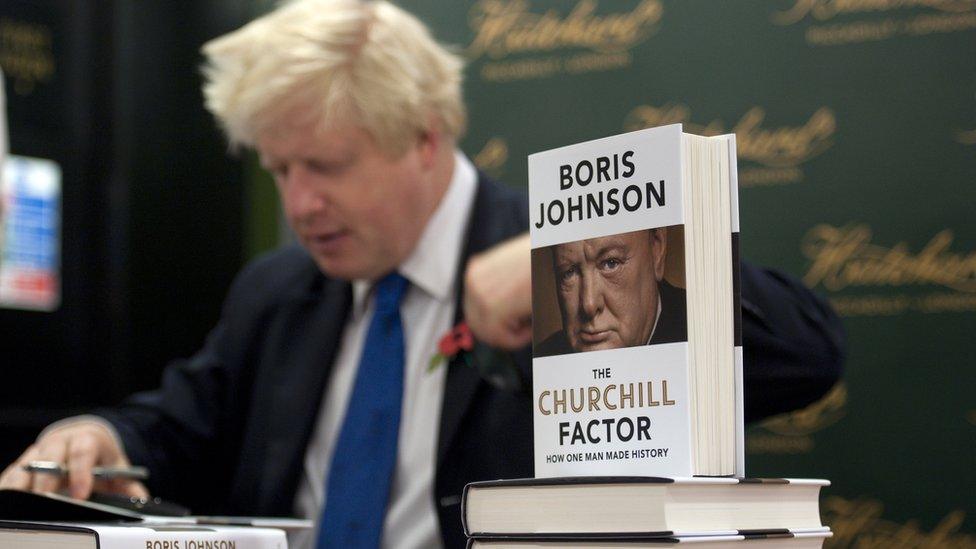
740	455
464	510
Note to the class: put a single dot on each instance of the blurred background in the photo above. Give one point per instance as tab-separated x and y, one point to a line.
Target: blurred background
124	218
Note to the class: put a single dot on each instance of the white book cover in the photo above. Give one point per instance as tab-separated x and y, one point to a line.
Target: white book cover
213	537
610	378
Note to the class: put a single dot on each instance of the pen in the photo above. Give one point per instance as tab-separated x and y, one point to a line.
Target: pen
135	472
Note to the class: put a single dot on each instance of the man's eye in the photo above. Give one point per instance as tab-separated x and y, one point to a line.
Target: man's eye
278	172
330	167
321	167
565	275
610	264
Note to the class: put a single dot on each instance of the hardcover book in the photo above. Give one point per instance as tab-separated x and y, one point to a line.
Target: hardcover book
779	540
639	507
637	365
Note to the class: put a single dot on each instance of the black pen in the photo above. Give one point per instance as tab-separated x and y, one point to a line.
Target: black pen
135	472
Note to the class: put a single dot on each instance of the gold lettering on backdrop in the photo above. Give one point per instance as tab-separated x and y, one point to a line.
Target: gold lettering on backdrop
851	33
944	16
967	138
493	156
790	433
823	10
784	146
844	256
592	62
971	417
760	177
815	417
859	523
544	67
871	305
523	69
26	54
939	23
891	305
944	302
779	150
504	27
759	443
648	116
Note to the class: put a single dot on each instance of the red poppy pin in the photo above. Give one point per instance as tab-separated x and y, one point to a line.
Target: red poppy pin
457	340
494	366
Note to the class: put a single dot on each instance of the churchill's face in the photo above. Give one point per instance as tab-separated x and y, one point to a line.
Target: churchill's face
608	288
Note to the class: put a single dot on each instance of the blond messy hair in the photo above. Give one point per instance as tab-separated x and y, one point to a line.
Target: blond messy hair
367	63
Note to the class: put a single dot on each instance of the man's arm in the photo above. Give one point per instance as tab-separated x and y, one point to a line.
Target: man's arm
180	430
793	343
188	432
498	294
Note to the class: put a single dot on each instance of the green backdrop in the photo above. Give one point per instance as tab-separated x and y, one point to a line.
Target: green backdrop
856	125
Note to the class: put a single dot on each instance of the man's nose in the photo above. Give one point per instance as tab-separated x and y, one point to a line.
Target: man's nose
303	198
591	296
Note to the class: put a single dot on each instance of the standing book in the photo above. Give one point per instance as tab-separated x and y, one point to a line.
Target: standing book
637	358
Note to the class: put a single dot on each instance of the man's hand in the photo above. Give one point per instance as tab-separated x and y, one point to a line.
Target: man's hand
498	294
79	445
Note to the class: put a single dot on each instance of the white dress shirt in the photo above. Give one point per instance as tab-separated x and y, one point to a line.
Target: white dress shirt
427	312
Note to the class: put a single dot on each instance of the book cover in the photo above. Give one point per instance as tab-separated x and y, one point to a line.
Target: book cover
613	393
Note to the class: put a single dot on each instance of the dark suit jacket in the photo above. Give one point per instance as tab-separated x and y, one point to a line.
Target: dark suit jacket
226	432
672	325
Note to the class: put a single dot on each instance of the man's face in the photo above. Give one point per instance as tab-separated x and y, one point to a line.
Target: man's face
357	211
607	288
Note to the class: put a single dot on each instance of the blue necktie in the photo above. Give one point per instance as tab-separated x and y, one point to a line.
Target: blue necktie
358	488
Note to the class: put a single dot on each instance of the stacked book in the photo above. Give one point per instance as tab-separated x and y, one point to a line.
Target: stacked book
633	512
97	535
637	360
54	521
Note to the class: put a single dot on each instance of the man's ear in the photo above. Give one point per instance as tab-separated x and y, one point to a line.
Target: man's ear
659	251
430	142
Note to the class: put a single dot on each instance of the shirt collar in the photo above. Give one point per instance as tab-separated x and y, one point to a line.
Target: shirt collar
433	264
657	318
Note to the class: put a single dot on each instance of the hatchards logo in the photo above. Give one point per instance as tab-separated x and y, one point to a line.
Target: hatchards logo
522	44
844	259
859	523
837	22
791	433
768	155
26	54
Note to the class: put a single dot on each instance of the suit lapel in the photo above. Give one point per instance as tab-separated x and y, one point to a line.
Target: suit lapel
462	381
459	389
309	336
